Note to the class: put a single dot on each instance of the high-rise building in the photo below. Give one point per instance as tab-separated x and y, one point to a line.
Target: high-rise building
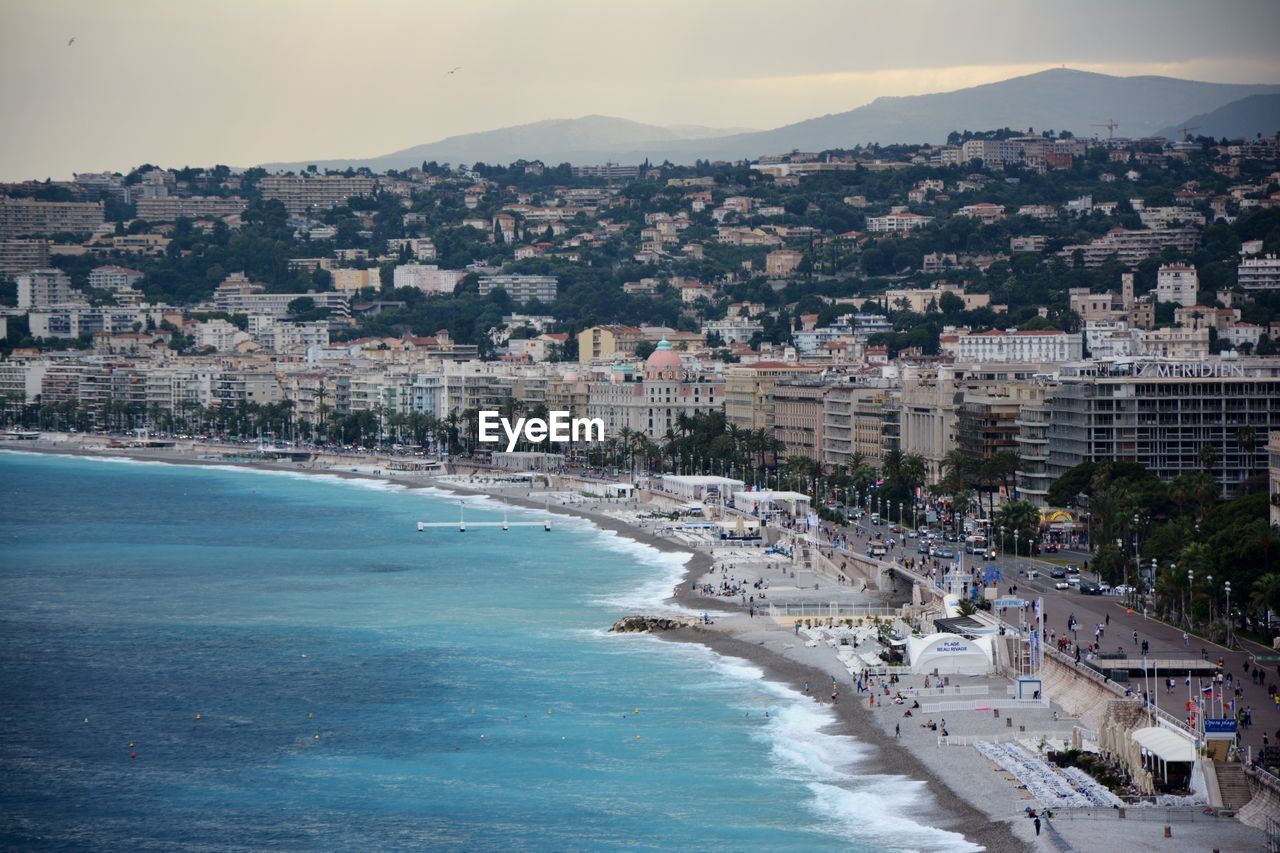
1177	283
25	217
521	288
300	193
1171	417
42	288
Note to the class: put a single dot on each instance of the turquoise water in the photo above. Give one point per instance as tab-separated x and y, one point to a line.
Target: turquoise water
205	658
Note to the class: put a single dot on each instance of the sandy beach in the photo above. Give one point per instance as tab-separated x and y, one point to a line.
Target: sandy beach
965	795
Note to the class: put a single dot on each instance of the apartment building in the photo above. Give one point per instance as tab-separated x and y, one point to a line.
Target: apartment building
1177	283
522	288
301	193
606	343
352	279
749	388
897	223
21	255
1132	247
798	416
113	278
44	288
428	278
855	423
173	208
1259	273
1162	414
25	217
1015	346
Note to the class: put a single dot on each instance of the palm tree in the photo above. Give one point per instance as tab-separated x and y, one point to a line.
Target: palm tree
320	395
1266	594
1208	455
1019	518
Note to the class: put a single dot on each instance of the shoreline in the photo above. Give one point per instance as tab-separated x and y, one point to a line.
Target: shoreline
947	810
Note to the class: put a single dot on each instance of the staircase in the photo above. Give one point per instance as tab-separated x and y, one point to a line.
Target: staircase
1233	785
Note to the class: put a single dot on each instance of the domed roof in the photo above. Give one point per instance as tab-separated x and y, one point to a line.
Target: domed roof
663	358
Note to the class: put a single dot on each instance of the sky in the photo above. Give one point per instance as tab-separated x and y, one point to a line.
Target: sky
241	82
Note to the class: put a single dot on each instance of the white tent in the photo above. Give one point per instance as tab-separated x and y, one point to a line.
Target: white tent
1159	746
795	504
950	654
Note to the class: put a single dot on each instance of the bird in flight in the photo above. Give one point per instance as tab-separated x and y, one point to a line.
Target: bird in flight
455	69
72	41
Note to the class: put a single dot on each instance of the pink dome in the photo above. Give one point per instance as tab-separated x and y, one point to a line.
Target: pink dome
662	359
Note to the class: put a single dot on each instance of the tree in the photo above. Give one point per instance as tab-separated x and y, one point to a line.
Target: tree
1020	520
644	349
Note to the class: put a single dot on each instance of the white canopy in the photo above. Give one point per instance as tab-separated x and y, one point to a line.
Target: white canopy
950	654
1165	744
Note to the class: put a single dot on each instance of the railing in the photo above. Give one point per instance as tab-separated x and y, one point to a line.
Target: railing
1002	737
834	610
954	690
975	704
1137	811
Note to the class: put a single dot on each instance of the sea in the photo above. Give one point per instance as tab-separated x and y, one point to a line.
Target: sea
212	658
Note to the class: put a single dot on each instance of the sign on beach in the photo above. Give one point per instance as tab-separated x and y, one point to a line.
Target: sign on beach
1010	602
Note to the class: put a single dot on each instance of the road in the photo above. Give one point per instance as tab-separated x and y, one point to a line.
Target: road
1119	622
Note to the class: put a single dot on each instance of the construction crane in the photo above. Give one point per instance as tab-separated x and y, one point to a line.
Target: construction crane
1110	126
1186	132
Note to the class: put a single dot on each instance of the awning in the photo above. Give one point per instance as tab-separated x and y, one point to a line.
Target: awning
1164	744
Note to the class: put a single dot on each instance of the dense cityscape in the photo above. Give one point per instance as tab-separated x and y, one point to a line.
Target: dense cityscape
985	428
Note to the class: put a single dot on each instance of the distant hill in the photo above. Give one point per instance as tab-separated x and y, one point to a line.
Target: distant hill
1057	99
1242	119
590	139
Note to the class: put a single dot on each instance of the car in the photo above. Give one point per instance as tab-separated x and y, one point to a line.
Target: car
1051	548
1062	585
1032	573
1058	573
951	537
1074	580
911	534
947	554
923	548
1090	589
1073	570
1123	590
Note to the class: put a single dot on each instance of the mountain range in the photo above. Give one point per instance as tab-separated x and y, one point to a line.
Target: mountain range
1056	99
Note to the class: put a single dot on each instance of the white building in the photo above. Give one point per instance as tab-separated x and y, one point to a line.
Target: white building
1259	273
1177	283
522	288
42	288
1017	346
428	278
113	278
897	222
732	329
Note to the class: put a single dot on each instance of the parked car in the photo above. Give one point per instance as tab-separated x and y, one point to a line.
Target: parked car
1057	573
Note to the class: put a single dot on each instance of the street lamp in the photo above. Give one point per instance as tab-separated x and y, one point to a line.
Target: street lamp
1227	588
1191	579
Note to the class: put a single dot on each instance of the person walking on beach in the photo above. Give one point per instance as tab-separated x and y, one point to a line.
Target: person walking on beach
897	731
1037	823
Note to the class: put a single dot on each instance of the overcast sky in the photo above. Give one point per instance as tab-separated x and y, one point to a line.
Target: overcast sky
199	82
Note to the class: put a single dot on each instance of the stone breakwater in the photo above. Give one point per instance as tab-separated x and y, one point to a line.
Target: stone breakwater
648	624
